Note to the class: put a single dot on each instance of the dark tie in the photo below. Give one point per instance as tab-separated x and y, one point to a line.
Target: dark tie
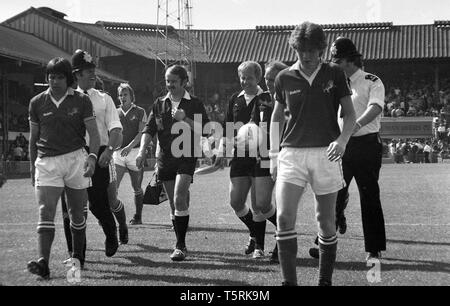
85	92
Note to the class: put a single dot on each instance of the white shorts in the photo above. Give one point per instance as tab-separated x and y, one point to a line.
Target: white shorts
62	170
128	161
300	166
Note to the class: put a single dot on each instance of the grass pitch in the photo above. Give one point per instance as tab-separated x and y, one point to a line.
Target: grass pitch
415	201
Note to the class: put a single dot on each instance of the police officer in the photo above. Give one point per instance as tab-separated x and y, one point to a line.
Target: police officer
363	155
103	202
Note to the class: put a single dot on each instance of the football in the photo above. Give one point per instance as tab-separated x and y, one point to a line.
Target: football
248	137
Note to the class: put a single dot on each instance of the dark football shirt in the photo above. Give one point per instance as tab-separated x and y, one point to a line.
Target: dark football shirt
313	108
261	115
161	121
61	129
130	123
239	112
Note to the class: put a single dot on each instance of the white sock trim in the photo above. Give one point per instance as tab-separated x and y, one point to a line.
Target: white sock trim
183	213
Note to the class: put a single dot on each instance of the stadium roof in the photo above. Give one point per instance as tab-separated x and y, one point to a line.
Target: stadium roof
145	40
22	46
377	41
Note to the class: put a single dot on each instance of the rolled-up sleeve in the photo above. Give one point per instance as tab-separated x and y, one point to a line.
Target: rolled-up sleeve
376	94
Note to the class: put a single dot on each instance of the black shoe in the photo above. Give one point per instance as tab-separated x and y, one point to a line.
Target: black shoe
314	253
341	225
373	255
273	259
39	267
288	284
111	246
179	254
69	262
324	283
136	220
123	234
250	248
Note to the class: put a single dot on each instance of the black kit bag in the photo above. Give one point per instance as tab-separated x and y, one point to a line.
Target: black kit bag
154	193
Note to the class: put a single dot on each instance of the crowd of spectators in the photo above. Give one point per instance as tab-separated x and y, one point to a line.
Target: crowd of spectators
422	150
18	150
412	98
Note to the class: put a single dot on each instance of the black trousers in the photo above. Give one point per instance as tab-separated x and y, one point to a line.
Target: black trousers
362	161
98	199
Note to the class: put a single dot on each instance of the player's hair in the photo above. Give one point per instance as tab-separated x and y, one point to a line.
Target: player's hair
307	35
59	65
357	60
123	86
180	71
99	85
275	64
251	65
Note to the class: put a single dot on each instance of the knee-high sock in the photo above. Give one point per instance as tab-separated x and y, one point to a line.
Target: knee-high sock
273	218
85	239
119	213
46	234
287	255
138	202
246	217
174	224
66	224
181	225
327	258
260	234
79	239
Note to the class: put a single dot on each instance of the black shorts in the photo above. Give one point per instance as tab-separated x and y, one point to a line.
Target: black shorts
170	167
247	166
262	168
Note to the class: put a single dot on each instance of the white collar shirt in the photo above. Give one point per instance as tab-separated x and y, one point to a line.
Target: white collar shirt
106	114
309	79
367	89
249	98
58	102
175	104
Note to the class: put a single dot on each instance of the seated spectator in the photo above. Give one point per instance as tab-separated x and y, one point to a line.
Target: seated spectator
18	153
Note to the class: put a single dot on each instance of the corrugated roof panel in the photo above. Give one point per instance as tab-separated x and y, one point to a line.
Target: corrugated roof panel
26	47
393	43
377	41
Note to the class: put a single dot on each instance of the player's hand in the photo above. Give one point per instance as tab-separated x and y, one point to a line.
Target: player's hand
273	169
335	151
89	166
105	158
179	115
125	151
140	160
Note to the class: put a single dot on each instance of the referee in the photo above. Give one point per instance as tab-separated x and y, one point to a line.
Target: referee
362	158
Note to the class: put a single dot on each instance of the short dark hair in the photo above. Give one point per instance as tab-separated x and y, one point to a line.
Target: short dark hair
60	65
357	60
308	34
180	71
275	64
